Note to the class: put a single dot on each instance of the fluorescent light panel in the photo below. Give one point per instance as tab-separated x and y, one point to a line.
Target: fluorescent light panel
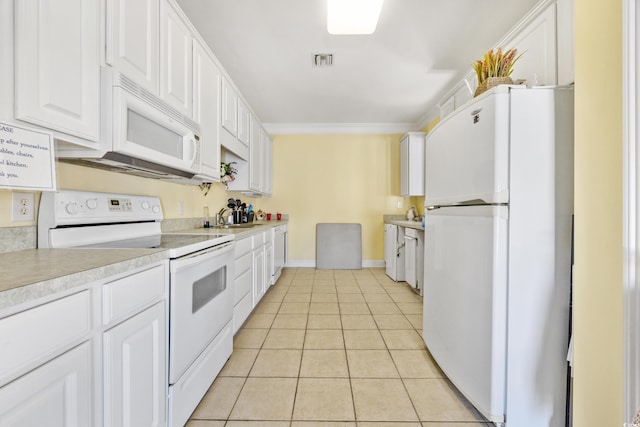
353	16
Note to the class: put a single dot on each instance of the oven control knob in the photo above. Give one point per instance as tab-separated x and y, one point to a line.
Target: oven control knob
92	203
145	205
71	208
156	209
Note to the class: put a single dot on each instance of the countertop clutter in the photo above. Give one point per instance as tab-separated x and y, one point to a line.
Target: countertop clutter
54	270
403	222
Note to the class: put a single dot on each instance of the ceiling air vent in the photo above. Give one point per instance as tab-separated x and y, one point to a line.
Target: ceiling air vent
322	59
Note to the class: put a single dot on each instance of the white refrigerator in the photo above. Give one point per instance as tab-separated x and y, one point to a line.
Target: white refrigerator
498	244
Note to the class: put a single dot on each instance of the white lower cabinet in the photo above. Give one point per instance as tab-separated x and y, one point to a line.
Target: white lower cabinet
135	379
57	394
91	358
259	270
243	283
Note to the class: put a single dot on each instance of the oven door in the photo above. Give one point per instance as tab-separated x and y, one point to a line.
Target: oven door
200	305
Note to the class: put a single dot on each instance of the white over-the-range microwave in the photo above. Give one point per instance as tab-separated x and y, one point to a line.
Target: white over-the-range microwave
141	135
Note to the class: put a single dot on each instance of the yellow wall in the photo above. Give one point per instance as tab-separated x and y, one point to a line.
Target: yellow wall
598	296
336	178
319	178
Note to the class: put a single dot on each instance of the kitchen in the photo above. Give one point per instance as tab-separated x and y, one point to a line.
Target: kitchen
600	316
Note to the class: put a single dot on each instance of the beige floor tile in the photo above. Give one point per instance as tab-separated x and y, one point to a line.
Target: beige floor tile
273	298
372	289
294	308
438	400
322	424
265	399
406	297
371	364
324	321
324	281
348	288
324	339
354	308
410	307
415	319
261	423
320	399
324	308
324	363
324	289
382	400
304	282
384	308
358	321
415	364
249	338
284	338
290	321
363	340
240	363
219	399
292	297
429	424
342	298
388	424
383	297
403	339
259	321
300	289
277	363
267	307
324	297
205	423
392	321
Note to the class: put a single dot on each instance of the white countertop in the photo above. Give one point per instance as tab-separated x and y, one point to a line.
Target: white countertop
404	223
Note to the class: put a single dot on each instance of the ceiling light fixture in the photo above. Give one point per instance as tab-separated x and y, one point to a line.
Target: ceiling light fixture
353	16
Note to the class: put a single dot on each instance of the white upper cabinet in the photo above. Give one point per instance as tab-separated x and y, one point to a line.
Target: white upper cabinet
412	164
206	106
57	69
176	42
244	122
267	162
255	156
229	107
132	38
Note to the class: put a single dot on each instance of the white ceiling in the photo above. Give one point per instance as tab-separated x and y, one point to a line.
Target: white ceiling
420	49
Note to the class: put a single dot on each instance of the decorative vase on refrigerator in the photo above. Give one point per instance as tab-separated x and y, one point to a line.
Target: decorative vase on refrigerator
499	204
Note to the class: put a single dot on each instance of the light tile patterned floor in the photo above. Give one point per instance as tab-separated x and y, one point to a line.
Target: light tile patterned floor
334	348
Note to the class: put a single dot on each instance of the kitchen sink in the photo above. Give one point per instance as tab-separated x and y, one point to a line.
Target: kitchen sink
244	225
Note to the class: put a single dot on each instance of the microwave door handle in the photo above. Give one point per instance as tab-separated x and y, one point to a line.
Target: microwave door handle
194	150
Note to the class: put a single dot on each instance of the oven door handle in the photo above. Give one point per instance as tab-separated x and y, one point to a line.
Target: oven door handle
201	256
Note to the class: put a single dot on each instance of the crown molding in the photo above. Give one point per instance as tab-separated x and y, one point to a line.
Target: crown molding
338	128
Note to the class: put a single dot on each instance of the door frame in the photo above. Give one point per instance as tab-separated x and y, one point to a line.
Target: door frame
631	211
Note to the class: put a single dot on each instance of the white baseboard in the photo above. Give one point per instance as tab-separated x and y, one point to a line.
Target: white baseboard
311	263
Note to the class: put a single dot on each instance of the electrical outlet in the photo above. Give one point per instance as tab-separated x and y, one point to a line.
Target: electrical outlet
399	204
181	208
22	207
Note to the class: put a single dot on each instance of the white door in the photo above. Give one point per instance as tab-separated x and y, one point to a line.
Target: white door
206	105
410	260
57	74
467	155
229	105
244	122
135	370
133	40
258	274
465	300
59	393
175	59
255	156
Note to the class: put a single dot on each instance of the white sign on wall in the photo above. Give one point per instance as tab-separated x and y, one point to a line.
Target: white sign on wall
27	160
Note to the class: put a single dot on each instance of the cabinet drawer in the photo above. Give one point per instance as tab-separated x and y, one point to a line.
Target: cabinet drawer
268	235
242	285
242	247
258	240
42	332
129	295
242	264
240	312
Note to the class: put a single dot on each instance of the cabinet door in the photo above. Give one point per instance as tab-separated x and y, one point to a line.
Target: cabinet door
133	40
244	122
229	107
206	104
268	261
404	166
258	274
175	59
58	393
267	167
57	74
255	156
135	373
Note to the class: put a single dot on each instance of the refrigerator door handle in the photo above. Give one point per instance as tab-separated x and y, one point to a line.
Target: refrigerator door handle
432	208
